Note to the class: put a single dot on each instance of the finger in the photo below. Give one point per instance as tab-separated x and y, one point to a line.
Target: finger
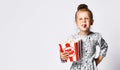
65	53
65	58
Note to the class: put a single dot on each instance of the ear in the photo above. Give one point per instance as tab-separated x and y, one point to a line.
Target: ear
92	22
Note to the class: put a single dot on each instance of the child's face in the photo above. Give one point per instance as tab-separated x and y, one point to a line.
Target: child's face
83	21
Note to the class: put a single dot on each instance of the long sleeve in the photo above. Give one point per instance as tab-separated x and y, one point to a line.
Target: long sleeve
103	46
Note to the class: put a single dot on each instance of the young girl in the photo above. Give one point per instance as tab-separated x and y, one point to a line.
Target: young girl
84	20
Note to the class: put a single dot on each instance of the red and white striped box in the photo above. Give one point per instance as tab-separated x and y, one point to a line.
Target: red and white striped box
72	47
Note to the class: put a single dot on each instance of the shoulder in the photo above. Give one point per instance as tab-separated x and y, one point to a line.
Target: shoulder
96	35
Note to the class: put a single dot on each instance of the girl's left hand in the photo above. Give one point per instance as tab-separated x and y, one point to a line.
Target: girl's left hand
98	60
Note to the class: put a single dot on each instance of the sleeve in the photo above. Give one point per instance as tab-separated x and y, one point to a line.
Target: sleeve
103	46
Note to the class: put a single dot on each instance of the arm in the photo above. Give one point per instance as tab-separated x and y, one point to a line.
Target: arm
98	60
103	49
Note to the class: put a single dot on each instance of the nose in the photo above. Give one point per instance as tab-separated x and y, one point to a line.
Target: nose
84	20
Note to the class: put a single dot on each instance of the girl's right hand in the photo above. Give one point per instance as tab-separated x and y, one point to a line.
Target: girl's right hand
64	55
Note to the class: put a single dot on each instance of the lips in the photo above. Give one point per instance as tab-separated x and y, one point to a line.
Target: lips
84	25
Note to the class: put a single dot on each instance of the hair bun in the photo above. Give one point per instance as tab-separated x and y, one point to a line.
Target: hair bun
82	6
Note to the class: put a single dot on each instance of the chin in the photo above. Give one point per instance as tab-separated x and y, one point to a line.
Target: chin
84	29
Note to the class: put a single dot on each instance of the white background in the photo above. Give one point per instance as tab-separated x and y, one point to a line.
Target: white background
30	31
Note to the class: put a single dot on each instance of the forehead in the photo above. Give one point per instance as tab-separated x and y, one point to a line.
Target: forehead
81	13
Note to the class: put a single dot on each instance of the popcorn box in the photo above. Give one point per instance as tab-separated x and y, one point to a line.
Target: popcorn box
73	48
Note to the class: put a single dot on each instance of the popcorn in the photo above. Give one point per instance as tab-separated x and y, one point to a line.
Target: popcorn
73	48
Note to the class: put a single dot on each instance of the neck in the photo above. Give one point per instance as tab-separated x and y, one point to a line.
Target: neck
84	33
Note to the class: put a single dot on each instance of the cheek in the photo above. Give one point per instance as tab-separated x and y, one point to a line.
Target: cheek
78	24
89	23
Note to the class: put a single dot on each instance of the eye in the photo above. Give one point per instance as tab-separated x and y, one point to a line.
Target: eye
80	18
86	18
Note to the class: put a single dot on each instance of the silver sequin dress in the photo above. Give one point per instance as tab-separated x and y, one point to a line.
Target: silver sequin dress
89	43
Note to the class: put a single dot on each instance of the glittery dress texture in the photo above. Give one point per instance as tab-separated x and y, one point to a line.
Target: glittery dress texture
89	43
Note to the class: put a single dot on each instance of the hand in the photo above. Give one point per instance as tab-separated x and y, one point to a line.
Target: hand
98	60
64	55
